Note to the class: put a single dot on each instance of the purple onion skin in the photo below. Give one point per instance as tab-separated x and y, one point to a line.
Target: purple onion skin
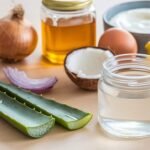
8	71
44	90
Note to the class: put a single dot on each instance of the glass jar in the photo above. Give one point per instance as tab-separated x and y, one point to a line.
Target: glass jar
124	96
66	25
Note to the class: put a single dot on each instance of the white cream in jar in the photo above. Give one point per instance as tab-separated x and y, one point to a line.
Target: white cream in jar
135	20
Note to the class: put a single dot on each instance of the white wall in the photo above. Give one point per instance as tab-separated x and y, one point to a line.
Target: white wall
32	8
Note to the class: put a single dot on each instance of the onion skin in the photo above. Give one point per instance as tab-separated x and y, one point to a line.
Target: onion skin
18	38
20	79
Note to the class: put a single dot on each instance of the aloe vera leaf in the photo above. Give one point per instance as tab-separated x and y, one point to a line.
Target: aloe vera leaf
30	122
69	117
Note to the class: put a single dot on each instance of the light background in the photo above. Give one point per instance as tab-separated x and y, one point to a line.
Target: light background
32	9
89	138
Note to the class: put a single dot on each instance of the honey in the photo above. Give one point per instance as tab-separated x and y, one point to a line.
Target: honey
67	35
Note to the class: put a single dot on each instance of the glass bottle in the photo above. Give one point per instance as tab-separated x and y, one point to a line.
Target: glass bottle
66	25
124	96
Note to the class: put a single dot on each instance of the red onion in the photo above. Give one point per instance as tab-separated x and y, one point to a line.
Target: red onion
20	79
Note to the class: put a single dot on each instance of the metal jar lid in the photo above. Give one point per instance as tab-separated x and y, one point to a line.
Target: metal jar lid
67	5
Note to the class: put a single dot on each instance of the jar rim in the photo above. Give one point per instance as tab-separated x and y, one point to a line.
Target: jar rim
124	62
67	5
59	12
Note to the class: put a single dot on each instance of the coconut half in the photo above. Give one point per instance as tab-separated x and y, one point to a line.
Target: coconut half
84	66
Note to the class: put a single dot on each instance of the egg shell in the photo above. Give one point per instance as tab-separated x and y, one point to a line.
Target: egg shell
119	41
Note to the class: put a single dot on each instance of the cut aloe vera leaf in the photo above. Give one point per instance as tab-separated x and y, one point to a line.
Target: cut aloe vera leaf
69	117
30	122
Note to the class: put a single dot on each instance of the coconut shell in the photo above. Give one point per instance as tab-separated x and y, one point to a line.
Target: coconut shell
87	84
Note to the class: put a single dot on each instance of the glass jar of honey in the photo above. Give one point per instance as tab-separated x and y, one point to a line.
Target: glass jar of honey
66	25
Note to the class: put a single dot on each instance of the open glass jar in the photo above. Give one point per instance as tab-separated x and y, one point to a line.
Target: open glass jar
124	96
66	25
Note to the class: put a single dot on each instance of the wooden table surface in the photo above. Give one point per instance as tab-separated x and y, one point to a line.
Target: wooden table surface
89	138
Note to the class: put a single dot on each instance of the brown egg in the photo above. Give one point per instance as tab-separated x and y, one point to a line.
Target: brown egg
118	41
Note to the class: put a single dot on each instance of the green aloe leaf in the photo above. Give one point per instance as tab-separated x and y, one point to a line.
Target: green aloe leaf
69	117
27	120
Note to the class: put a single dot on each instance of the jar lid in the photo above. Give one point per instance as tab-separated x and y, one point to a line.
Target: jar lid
67	5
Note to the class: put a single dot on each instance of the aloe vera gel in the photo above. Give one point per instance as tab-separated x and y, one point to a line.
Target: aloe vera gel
124	96
27	120
30	105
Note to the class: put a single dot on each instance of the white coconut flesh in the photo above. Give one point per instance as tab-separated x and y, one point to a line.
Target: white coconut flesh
87	62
